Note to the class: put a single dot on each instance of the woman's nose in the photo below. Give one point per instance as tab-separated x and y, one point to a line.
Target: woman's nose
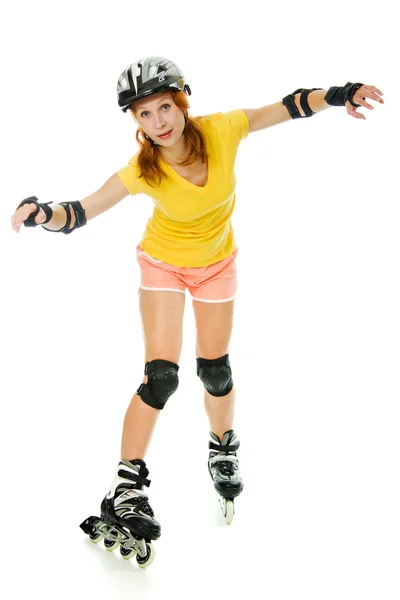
159	121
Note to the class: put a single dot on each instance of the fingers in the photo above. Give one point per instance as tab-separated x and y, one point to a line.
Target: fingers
21	214
367	91
352	111
374	90
364	103
376	95
360	97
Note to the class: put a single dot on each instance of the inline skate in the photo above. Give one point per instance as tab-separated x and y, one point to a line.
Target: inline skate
126	518
224	470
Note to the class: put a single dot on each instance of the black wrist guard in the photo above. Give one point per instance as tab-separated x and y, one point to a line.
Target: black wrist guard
290	104
338	96
80	217
30	221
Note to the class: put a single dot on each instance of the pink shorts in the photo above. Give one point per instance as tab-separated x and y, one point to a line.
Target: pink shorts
214	283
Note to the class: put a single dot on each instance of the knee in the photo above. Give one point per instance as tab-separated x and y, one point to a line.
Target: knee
216	375
162	382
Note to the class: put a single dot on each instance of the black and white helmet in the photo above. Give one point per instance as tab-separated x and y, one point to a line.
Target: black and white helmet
148	76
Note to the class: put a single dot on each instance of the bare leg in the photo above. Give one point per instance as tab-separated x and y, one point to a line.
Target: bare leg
220	411
214	322
162	314
139	423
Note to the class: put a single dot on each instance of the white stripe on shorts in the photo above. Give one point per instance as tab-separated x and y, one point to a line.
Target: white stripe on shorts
148	256
162	289
213	301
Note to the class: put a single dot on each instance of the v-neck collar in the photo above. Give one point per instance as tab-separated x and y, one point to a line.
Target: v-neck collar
176	175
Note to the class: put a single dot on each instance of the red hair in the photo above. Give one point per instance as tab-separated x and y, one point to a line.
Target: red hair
148	158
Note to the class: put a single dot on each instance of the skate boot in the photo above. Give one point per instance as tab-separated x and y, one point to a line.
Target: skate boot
224	470
126	518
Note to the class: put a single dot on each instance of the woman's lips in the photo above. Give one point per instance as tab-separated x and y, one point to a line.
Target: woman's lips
163	137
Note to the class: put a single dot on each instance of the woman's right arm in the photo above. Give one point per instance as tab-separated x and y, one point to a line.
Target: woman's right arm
112	192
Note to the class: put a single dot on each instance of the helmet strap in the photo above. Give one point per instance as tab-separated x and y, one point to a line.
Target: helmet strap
150	140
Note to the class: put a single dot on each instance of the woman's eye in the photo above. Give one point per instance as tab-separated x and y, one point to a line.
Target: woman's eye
145	113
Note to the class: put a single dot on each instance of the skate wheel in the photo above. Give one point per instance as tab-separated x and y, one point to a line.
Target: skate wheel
229	511
228	508
127	553
111	545
96	537
146	561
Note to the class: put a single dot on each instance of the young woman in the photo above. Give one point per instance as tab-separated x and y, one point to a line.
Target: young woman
186	165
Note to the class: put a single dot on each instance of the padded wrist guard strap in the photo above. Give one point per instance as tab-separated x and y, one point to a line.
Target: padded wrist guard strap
80	217
290	103
338	96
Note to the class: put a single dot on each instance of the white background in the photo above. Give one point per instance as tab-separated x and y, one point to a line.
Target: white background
315	349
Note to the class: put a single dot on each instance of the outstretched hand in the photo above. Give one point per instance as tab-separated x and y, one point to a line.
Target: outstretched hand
365	91
23	213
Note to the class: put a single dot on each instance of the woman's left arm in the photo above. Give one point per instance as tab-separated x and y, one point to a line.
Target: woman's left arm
351	96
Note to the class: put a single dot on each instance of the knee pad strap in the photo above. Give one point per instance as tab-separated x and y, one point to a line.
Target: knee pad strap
162	382
216	375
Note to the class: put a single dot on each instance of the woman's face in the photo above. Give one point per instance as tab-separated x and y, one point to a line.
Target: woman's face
158	116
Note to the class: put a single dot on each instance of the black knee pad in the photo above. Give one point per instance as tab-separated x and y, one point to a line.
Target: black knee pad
162	382
216	375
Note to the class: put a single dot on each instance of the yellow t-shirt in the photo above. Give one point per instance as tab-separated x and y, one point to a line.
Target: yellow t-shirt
191	225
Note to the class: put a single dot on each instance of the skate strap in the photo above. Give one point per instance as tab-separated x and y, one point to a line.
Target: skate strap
133	477
221	448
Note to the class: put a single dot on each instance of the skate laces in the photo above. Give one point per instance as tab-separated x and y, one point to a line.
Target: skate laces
227	463
144	505
138	497
225	458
